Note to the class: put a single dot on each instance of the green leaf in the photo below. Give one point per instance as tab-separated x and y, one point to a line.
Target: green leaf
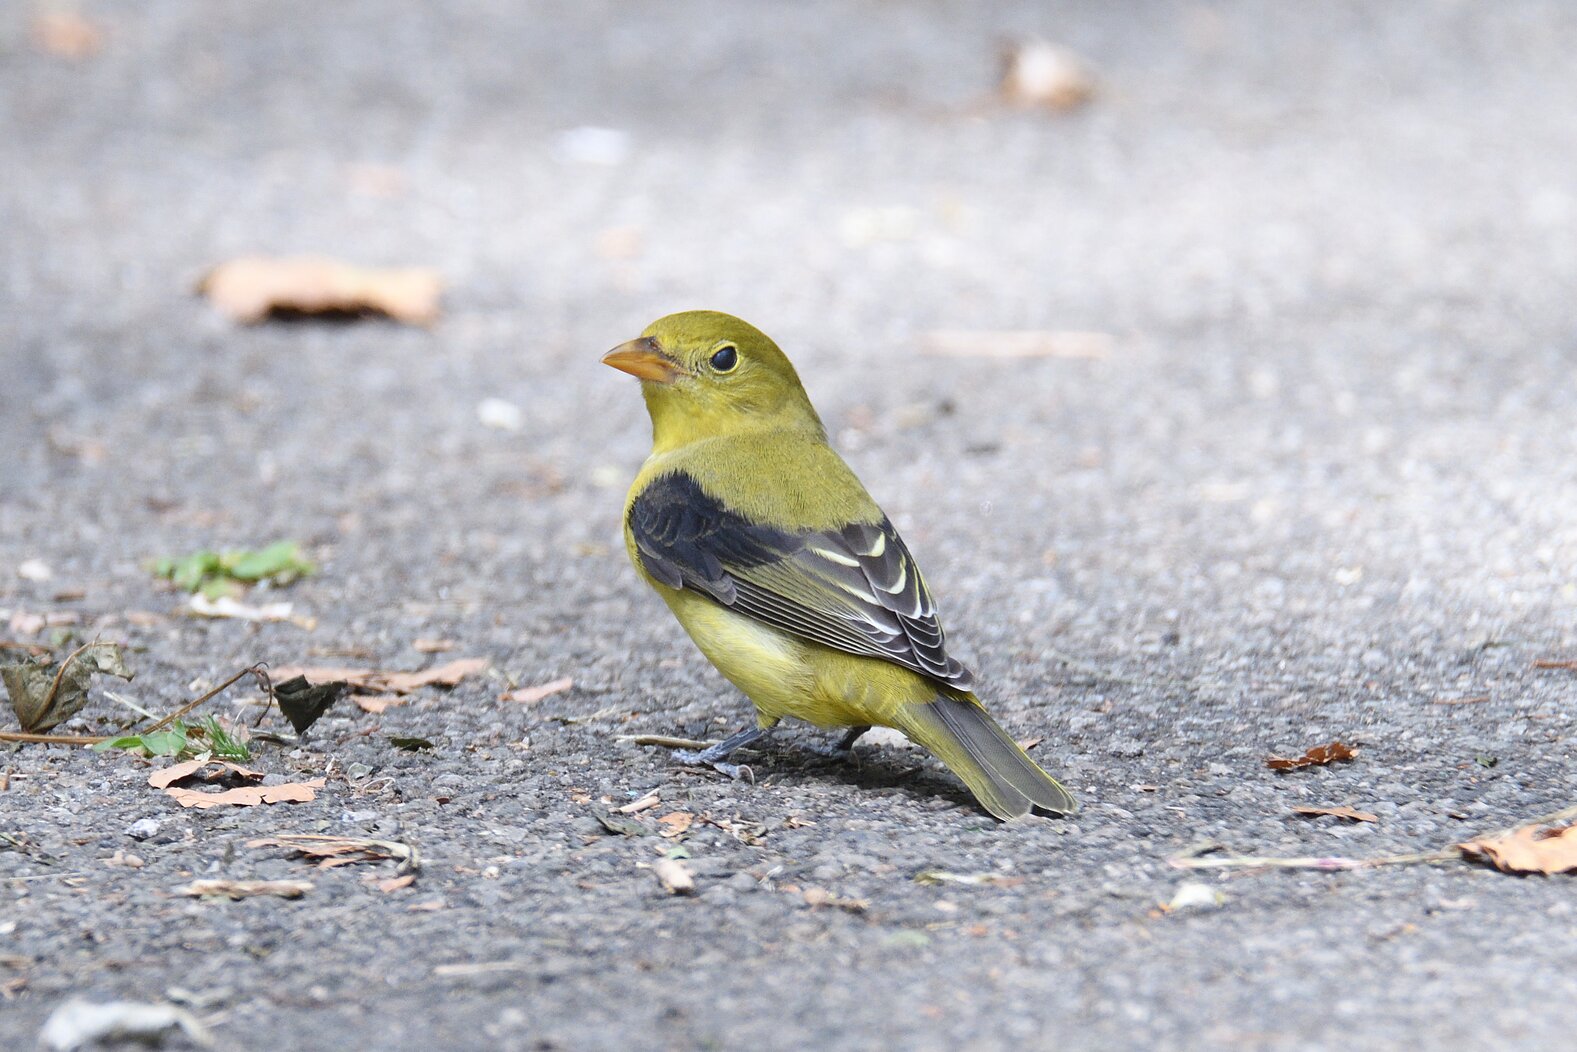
169	742
217	574
410	744
622	824
281	561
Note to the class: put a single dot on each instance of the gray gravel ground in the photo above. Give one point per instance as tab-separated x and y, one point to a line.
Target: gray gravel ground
1324	480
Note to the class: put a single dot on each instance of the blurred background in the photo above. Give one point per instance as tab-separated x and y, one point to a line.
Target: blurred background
1225	347
1315	260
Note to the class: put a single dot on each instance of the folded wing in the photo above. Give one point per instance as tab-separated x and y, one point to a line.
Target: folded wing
855	589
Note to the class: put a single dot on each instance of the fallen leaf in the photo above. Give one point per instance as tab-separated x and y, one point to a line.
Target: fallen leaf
1318	756
330	852
176	772
674	876
1039	73
815	897
227	608
434	646
430	906
82	1024
216	574
376	703
253	288
245	889
645	803
396	883
1029	743
531	695
614	823
249	796
45	694
676	823
1191	895
1552	663
410	744
66	34
383	681
1011	345
1339	812
303	703
500	415
939	876
1532	849
34	570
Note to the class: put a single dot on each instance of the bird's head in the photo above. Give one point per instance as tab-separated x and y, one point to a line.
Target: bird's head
710	375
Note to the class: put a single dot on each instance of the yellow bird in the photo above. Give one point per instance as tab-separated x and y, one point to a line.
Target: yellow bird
785	572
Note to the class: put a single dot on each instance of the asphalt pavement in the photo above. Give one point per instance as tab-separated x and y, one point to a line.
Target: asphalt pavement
1293	460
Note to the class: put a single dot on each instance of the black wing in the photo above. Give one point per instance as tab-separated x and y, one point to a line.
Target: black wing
855	589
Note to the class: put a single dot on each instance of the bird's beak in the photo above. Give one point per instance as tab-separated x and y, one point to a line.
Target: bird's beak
641	358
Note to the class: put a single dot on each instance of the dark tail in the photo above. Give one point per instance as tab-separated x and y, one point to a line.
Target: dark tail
1003	778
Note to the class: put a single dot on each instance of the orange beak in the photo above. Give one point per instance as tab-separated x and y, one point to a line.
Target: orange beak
641	358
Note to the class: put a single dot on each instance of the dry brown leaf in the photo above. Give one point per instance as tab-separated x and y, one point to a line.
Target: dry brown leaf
435	646
376	703
1318	756
66	34
330	852
168	776
396	883
250	795
245	889
1532	849
531	695
1039	73
645	803
675	823
1016	344
385	681
1339	812
1553	663
252	288
815	897
674	876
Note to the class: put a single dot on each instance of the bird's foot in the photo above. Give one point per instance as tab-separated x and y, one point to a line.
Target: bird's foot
844	750
713	755
698	758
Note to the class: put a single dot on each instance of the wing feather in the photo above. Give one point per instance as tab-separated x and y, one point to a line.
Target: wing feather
855	589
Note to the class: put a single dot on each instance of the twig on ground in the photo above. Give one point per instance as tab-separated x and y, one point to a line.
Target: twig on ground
259	670
663	741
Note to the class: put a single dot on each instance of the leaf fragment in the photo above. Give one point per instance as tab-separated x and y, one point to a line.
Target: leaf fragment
674	876
1532	849
384	681
304	703
253	288
1318	756
330	852
532	695
1040	73
215	574
940	876
245	889
44	694
620	824
1351	814
410	744
251	795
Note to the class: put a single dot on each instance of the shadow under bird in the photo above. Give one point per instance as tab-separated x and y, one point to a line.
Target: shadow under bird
786	573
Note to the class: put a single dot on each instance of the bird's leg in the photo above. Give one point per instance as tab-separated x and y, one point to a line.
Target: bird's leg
845	747
713	755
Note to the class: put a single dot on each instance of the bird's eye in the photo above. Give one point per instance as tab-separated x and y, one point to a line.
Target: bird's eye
725	358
